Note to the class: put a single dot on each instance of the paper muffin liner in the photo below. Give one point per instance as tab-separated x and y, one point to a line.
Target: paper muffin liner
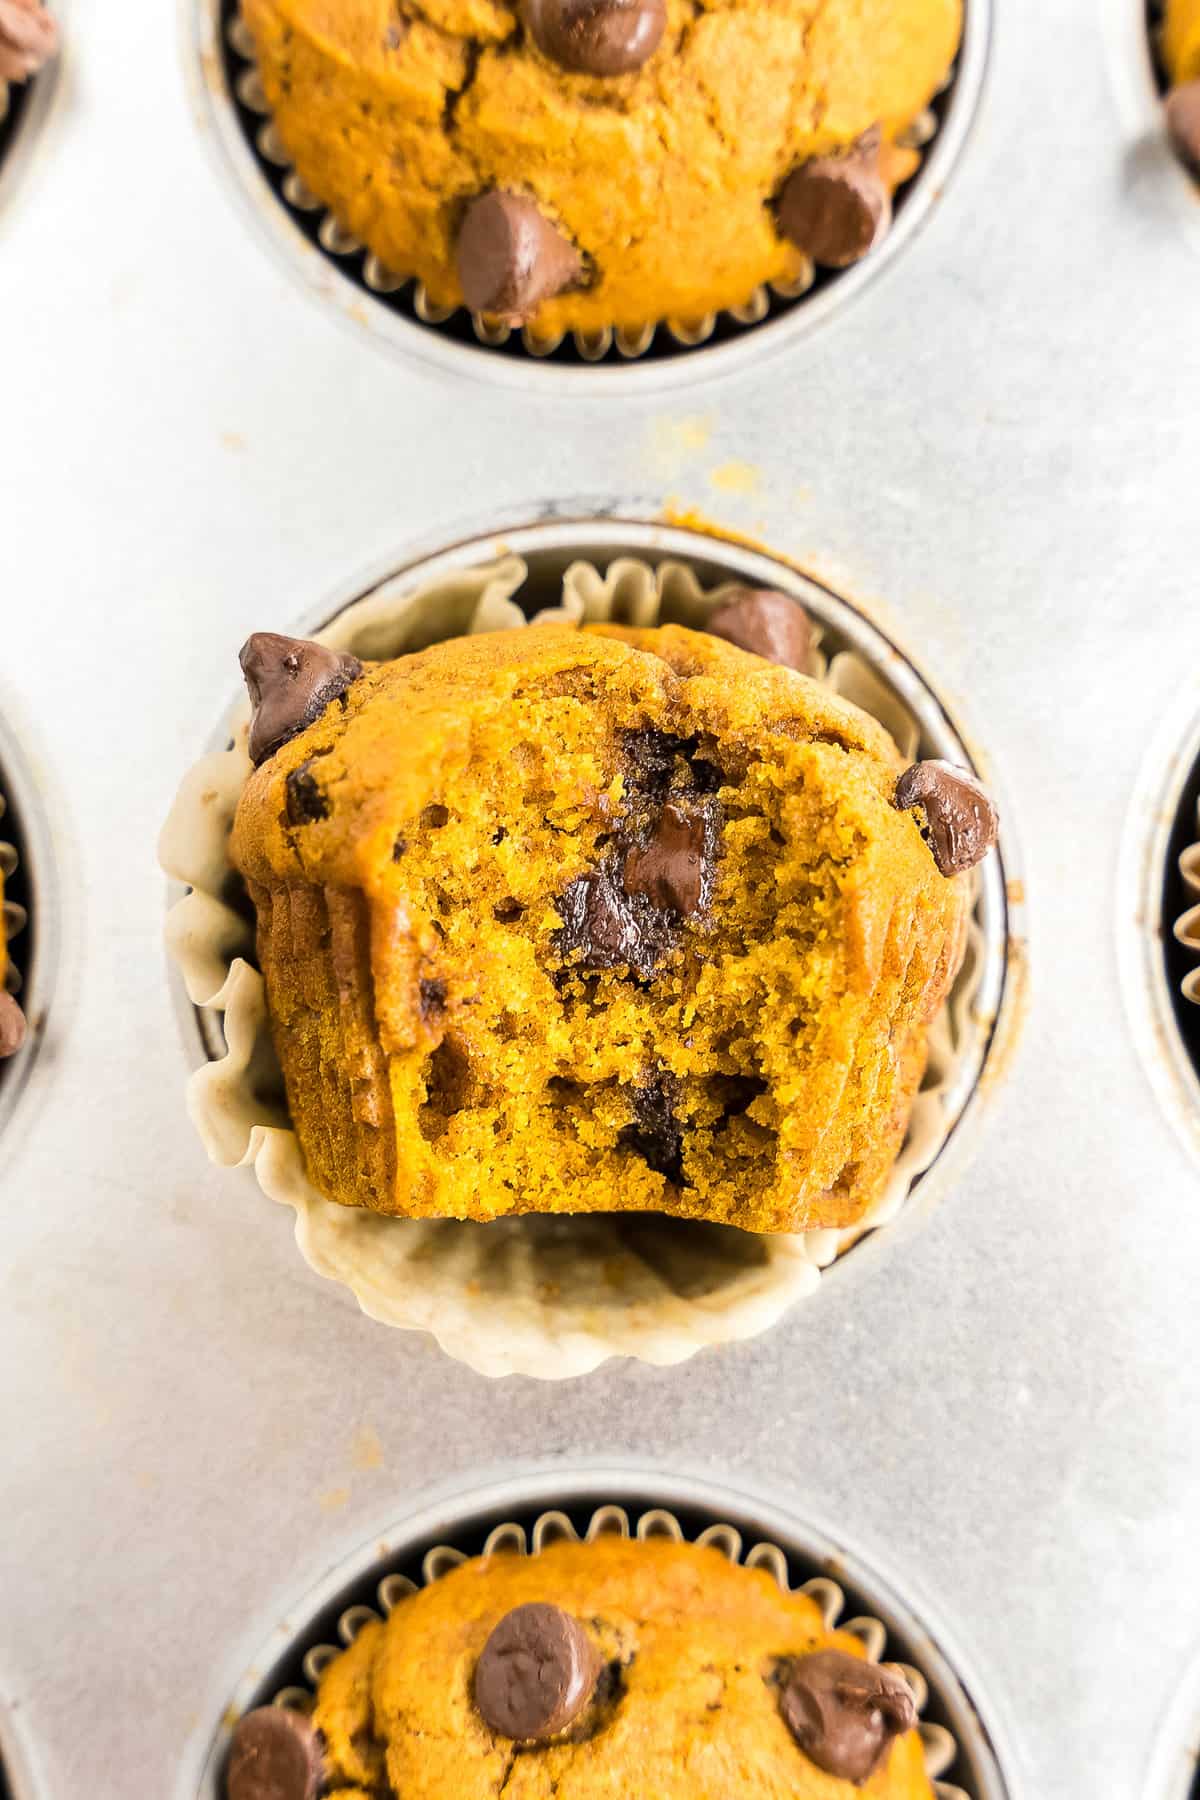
410	296
548	1296
612	1519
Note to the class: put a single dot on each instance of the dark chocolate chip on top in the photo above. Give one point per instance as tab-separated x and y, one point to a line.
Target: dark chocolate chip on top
12	1025
290	682
275	1755
960	822
597	37
845	1712
837	208
510	258
767	623
536	1673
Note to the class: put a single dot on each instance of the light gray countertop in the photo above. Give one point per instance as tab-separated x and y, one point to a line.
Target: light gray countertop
995	452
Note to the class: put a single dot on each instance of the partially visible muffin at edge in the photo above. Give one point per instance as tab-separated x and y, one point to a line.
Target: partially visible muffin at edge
12	1019
656	1669
555	922
1181	57
487	150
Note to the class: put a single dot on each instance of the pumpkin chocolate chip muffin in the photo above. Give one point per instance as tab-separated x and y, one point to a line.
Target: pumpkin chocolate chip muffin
578	164
596	1671
565	921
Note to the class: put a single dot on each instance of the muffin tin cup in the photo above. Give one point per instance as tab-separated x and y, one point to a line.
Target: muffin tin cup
399	314
523	1512
1140	86
555	1296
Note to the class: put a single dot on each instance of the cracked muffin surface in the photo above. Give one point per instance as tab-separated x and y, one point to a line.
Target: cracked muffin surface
693	1661
658	190
565	921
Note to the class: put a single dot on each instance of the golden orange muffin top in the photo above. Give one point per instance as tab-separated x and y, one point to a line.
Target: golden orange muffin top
566	921
577	164
601	1670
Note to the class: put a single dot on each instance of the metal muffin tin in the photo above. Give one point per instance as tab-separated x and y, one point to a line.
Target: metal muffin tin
569	534
340	273
464	1519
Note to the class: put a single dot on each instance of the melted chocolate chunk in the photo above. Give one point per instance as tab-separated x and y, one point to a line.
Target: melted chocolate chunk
844	1712
673	868
536	1674
606	928
305	801
656	1134
275	1755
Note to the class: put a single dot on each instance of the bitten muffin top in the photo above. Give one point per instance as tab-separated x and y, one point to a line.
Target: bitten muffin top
567	921
576	164
603	1670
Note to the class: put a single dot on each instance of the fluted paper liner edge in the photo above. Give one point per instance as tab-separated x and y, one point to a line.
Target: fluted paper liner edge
551	1297
613	1520
593	346
1186	927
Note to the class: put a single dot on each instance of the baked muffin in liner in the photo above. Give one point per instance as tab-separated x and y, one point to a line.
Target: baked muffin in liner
542	1296
226	43
383	1589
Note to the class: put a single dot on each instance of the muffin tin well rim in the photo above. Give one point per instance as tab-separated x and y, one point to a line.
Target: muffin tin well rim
618	527
38	949
201	28
465	1505
33	104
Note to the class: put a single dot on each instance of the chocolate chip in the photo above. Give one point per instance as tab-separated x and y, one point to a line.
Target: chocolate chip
12	1025
844	1712
537	1673
399	849
275	1755
305	801
290	681
433	998
597	37
836	208
961	824
674	867
607	928
435	817
656	1134
1183	124
770	624
510	257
